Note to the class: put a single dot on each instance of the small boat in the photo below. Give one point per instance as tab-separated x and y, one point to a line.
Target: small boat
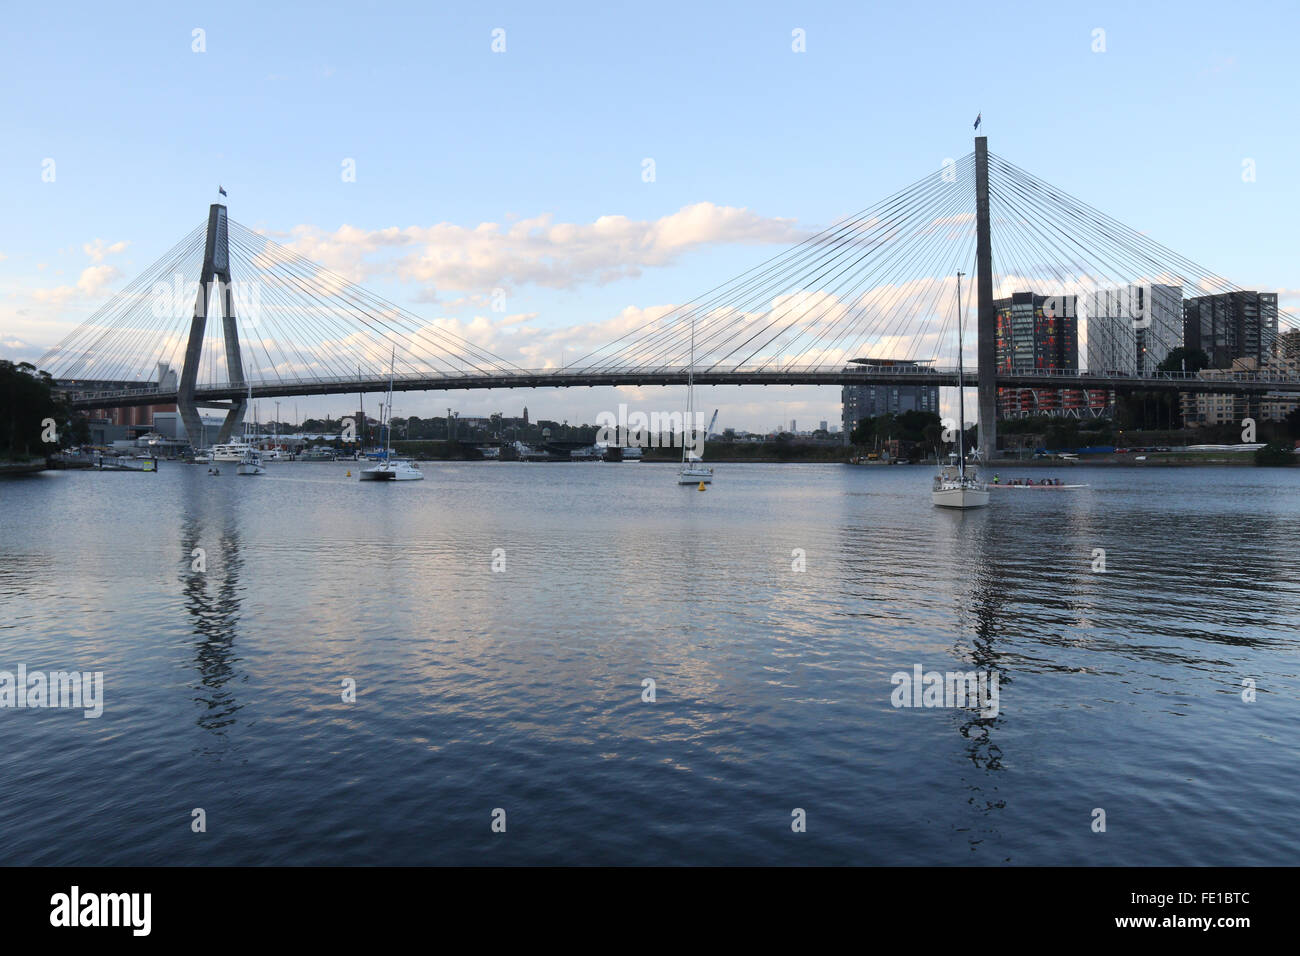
396	470
1038	487
957	486
391	469
236	451
145	463
230	452
693	470
250	464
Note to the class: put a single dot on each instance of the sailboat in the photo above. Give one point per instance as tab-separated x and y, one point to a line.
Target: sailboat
391	469
250	462
958	486
692	471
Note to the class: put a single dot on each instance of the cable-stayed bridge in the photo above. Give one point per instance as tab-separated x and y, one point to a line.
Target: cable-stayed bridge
880	284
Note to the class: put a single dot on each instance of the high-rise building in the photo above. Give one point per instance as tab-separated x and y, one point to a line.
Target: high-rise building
871	399
1236	330
1041	333
1133	328
1231	325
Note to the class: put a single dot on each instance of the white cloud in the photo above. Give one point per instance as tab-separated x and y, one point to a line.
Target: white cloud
93	281
99	249
535	251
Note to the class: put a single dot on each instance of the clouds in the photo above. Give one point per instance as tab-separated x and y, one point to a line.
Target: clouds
92	283
34	314
99	249
535	251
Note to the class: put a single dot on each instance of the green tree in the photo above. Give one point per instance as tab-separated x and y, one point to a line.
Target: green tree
1275	453
1195	359
1291	423
26	396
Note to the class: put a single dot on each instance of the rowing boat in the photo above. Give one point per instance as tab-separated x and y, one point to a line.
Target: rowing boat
1038	487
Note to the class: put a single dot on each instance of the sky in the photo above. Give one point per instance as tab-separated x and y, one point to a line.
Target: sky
523	169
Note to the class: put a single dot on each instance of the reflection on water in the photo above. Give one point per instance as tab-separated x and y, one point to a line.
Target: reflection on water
212	598
984	605
522	688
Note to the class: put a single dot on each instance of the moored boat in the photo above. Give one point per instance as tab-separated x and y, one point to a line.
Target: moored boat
693	470
391	469
958	486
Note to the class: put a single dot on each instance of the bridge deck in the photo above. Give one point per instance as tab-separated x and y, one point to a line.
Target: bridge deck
1239	382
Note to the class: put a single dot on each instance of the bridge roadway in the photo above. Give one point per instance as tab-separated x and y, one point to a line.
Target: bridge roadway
87	395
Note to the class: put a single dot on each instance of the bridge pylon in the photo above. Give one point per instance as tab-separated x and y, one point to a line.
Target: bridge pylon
216	265
987	322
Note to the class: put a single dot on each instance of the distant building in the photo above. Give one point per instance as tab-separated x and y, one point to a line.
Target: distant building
1231	325
1201	409
871	399
1133	328
1237	331
1041	333
171	425
137	416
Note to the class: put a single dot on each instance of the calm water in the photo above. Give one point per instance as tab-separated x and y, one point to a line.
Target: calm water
522	689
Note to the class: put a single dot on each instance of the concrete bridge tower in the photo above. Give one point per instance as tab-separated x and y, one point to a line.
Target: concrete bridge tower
216	265
987	322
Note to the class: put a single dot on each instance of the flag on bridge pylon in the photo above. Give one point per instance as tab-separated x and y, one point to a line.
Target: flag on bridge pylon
222	190
977	120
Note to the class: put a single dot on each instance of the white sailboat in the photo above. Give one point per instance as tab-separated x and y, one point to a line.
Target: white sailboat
250	462
692	471
233	451
957	486
391	469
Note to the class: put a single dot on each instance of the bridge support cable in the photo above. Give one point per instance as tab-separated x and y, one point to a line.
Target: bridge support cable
299	321
330	307
107	346
869	278
876	285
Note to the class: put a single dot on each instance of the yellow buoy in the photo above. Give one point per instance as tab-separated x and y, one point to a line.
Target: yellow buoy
701	486
349	472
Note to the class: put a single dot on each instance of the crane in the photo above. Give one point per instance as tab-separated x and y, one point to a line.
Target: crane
712	421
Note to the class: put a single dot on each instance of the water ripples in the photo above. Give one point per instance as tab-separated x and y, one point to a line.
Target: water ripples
522	689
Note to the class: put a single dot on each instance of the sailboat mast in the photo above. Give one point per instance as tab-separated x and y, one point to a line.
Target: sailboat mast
362	396
961	392
388	437
690	394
